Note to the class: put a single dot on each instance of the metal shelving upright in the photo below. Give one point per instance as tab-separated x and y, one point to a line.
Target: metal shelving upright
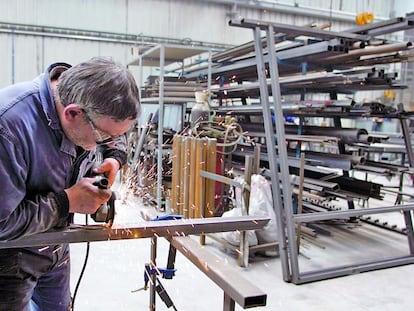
266	62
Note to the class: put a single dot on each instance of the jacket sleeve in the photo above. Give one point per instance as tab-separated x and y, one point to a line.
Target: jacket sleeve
118	152
24	212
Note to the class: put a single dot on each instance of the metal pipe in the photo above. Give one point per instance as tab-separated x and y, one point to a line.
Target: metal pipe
89	35
333	160
369	50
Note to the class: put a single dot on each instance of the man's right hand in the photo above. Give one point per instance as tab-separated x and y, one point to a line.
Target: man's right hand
85	197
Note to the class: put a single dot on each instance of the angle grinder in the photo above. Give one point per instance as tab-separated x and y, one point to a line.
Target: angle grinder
106	212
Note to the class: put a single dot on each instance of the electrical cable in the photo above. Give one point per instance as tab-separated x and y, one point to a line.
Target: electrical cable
85	262
231	133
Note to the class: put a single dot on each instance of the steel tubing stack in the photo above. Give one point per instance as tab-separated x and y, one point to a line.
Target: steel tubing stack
316	49
191	195
185	89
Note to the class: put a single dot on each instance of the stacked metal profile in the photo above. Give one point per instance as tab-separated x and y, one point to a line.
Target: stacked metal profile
315	60
328	62
174	87
191	195
312	60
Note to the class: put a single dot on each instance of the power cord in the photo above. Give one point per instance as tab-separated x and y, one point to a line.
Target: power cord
85	262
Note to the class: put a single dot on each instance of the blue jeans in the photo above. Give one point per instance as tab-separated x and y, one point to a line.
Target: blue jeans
39	275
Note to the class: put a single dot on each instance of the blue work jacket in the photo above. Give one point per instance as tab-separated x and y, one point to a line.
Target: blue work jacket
37	160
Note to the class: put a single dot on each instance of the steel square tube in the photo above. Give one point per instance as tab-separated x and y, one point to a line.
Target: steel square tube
166	228
235	287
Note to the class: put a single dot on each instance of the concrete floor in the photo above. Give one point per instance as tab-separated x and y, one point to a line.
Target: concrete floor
116	268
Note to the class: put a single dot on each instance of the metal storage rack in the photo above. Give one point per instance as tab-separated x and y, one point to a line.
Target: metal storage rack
281	188
160	56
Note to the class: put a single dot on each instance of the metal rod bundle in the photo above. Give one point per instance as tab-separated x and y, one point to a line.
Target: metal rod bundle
191	195
310	49
173	88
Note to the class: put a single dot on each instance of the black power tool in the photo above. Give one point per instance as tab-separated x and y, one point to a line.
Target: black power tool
106	212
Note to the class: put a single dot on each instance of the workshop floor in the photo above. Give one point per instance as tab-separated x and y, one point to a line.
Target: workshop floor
116	268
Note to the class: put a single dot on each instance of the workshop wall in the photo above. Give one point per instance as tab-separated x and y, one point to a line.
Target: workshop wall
24	55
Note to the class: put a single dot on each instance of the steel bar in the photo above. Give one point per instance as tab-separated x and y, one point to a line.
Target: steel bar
175	179
319	183
153	277
161	101
292	30
193	178
313	82
248	48
185	167
223	179
407	140
372	169
323	274
354	185
210	185
287	207
310	50
236	51
346	135
200	159
388	166
246	294
243	256
148	229
345	214
270	142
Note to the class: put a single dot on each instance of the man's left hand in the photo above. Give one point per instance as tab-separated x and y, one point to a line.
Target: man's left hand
109	167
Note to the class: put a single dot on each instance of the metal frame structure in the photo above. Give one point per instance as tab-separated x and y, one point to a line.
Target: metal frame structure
235	287
281	187
162	55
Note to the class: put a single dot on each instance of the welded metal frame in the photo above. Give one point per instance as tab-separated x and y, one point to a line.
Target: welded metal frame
176	231
286	220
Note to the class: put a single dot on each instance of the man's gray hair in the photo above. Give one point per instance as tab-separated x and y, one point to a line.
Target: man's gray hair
100	86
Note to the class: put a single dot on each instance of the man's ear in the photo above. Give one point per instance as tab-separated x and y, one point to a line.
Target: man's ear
72	111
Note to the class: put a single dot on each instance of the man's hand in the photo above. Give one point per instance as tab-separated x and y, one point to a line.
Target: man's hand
85	197
109	167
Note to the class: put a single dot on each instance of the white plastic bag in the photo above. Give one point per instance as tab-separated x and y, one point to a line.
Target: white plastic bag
233	237
261	205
